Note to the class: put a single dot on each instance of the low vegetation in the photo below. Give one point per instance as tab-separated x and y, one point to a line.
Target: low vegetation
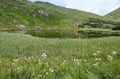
16	13
114	14
27	57
66	44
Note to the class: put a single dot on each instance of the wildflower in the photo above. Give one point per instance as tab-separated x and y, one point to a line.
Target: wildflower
96	64
95	54
46	73
15	60
39	60
46	64
76	61
18	69
114	52
84	60
110	57
39	63
44	70
98	52
29	58
62	65
44	55
97	59
51	69
65	60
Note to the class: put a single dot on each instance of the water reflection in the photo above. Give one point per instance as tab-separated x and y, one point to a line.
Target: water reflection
64	33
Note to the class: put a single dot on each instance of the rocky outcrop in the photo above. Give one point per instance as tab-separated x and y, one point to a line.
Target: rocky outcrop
42	12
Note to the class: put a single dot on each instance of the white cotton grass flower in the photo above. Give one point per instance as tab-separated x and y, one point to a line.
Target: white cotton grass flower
74	59
29	58
84	60
44	55
51	69
18	69
47	64
114	52
39	63
39	60
77	61
47	73
96	64
110	58
16	60
65	61
95	54
98	52
97	59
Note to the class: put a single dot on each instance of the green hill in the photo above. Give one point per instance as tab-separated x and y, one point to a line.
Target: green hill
46	19
22	13
114	14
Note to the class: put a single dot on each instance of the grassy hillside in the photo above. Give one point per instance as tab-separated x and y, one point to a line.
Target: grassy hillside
114	14
27	57
24	14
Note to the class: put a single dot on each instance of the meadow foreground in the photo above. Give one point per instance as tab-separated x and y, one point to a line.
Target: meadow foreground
27	57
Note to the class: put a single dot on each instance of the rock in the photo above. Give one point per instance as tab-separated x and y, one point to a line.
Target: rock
42	12
20	26
38	28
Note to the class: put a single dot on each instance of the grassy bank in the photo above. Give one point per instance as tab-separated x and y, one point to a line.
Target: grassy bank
27	57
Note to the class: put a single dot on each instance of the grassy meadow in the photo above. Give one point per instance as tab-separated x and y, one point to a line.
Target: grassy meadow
40	40
27	57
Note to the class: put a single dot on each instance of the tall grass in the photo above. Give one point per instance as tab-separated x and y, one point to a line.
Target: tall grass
27	57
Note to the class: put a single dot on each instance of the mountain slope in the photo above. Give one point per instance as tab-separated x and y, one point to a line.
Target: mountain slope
22	13
114	14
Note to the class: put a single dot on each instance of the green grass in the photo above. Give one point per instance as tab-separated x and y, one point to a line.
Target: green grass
114	14
23	12
27	57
